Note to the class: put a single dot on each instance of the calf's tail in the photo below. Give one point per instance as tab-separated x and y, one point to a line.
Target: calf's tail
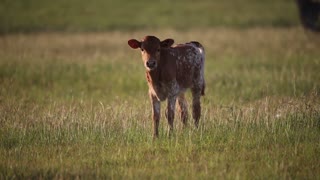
201	49
203	88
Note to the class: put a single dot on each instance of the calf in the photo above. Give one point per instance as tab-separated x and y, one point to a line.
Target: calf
170	71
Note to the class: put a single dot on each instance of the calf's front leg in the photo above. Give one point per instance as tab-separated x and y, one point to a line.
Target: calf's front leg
155	115
170	112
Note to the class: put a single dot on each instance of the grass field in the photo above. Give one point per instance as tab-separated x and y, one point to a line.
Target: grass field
101	15
74	104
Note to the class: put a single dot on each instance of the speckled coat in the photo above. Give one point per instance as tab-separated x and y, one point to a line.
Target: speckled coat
170	71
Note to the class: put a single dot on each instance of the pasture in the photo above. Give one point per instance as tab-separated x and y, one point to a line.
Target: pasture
74	104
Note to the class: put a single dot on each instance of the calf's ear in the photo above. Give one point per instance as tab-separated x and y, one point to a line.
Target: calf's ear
166	43
133	43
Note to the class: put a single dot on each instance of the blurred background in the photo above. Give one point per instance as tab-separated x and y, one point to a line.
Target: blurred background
254	48
105	15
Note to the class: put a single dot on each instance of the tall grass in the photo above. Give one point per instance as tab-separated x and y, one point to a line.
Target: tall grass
75	105
270	138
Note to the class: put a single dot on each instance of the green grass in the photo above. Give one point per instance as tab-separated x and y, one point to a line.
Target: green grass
101	15
76	106
101	142
74	103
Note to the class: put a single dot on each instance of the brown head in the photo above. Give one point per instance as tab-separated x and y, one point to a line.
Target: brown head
150	50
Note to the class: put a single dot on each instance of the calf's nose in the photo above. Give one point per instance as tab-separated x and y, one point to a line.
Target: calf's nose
151	64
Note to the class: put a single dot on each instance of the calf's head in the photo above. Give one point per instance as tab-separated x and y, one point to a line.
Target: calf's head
151	48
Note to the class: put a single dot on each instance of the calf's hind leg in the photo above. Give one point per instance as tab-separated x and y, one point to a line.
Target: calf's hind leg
196	107
183	109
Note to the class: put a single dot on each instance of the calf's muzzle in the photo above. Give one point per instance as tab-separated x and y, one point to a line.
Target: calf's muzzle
151	64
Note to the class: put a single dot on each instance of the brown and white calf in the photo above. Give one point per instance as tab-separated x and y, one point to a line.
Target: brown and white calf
170	71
